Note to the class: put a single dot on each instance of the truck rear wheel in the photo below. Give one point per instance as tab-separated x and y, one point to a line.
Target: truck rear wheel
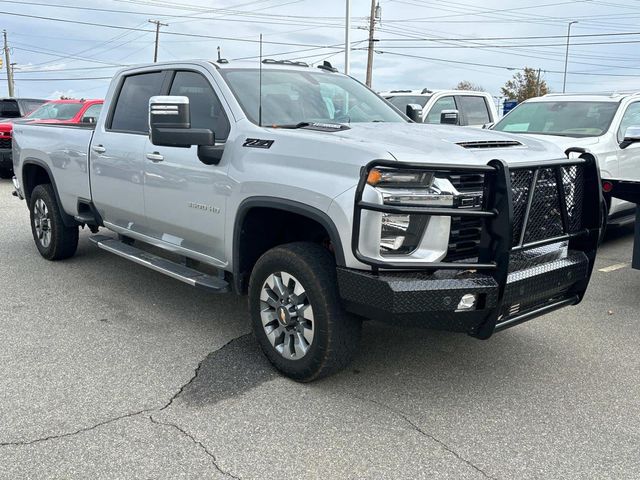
296	312
6	173
54	240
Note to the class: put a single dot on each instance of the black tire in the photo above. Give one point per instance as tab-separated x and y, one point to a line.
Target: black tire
336	334
62	240
6	173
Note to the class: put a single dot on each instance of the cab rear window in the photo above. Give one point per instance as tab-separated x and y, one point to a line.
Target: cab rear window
9	109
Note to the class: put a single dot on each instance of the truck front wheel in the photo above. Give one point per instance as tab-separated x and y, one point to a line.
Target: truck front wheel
54	240
296	312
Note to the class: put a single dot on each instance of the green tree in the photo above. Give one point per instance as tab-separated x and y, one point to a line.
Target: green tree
525	84
467	85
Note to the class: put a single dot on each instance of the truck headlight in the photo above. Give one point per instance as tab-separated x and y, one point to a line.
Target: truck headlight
402	233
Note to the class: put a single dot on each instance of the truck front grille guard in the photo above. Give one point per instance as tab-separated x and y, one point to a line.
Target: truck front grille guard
511	216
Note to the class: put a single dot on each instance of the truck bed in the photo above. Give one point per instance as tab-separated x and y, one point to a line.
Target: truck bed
58	147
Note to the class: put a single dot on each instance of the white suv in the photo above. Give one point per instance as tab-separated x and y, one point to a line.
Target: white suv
474	109
597	122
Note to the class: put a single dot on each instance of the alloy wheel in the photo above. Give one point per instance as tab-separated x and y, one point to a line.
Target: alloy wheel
42	223
287	315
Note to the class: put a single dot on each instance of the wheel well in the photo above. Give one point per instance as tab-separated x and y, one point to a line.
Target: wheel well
32	176
263	228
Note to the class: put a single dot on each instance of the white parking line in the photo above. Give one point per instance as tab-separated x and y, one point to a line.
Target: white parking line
613	268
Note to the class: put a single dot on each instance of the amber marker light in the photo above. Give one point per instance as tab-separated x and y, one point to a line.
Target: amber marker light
374	177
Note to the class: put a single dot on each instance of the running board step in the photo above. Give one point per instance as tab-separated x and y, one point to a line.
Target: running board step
162	265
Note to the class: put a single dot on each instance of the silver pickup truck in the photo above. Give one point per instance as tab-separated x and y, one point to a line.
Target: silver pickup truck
305	190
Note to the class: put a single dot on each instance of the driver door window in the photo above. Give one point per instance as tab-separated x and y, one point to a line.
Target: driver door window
630	118
444	103
204	105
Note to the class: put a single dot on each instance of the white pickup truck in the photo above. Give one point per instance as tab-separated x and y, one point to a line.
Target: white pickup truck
306	190
599	123
467	108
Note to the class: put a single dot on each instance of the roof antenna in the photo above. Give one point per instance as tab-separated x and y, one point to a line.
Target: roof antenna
219	57
260	87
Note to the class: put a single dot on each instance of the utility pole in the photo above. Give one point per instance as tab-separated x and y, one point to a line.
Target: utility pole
372	26
10	85
538	84
347	37
566	56
158	24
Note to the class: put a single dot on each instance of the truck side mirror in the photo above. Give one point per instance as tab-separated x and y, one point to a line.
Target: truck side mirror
449	117
170	124
414	112
631	135
89	120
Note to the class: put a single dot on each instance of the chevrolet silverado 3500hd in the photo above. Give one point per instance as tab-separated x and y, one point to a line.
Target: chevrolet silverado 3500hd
306	190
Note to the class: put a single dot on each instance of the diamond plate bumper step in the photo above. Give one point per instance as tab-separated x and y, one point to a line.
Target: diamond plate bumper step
162	265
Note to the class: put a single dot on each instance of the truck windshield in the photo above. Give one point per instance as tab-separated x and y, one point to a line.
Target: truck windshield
564	118
56	111
401	101
291	97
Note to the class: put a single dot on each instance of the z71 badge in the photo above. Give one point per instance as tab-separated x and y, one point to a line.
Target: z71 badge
257	143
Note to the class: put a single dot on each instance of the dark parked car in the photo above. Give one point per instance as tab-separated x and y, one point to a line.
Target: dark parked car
11	109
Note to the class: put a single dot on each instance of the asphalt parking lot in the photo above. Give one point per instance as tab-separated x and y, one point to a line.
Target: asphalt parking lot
109	370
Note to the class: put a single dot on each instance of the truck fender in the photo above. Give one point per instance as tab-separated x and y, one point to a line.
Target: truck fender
289	206
67	219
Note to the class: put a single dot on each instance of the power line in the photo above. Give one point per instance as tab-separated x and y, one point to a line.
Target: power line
180	34
67	79
502	67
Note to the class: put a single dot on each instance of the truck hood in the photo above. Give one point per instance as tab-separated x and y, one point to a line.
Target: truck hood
424	143
565	142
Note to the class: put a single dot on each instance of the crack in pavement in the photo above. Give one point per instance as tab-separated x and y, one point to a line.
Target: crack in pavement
415	427
202	446
121	417
197	372
76	432
153	420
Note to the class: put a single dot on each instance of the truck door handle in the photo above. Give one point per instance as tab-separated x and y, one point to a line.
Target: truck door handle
98	148
155	157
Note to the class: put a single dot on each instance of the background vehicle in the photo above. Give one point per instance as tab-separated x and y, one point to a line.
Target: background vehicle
597	122
11	109
474	109
68	111
264	180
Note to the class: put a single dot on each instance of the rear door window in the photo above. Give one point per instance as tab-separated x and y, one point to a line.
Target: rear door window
474	110
131	113
444	103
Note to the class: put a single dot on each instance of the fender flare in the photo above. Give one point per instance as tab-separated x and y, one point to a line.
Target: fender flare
67	219
289	206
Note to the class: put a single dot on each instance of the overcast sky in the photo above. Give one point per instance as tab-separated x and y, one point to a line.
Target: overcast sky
416	44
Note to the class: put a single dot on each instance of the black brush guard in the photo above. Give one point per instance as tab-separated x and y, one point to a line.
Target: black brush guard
499	246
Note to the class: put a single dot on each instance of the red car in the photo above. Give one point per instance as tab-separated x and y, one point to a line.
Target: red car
56	111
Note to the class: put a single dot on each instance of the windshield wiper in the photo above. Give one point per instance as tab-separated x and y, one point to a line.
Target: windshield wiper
320	126
293	126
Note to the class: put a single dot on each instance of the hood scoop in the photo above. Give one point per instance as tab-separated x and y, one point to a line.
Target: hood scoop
490	144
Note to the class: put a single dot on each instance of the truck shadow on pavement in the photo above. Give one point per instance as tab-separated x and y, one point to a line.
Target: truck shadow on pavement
398	357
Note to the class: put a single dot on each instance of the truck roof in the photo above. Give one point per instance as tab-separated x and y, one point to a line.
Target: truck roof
267	64
428	92
76	100
586	97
